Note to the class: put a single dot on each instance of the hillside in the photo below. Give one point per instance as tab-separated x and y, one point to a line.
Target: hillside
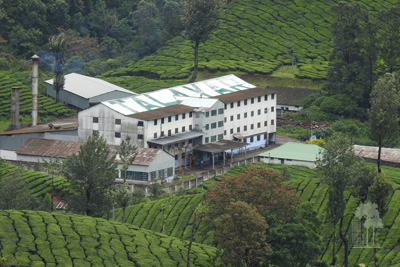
254	37
48	108
179	210
30	238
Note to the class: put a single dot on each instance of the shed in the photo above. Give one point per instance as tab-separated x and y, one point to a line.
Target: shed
291	99
291	153
83	91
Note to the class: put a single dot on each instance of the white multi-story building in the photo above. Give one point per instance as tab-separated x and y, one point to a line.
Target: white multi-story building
181	118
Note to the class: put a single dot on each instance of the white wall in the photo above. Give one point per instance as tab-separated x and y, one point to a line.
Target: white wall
308	164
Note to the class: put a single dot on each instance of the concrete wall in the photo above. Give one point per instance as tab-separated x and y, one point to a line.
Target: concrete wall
308	164
210	120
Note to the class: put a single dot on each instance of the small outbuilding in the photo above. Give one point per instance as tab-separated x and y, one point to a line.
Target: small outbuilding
83	91
291	153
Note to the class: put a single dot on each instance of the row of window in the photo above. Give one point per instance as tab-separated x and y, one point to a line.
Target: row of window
144	176
170	131
245	115
214	125
214	112
213	138
252	100
169	119
251	127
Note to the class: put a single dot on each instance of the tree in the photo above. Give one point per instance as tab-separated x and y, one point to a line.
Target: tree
58	47
127	154
123	198
338	169
241	233
383	114
91	172
200	18
53	167
380	191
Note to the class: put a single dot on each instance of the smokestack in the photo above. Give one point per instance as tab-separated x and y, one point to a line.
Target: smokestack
35	85
14	108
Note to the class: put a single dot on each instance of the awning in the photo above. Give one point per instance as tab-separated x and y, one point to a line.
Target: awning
166	140
220	146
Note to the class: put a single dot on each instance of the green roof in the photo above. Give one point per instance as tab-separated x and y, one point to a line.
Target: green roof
294	151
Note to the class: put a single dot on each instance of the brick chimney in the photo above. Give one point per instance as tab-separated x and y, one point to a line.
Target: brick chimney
35	85
14	108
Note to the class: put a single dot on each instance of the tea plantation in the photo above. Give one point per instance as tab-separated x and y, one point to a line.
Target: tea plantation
179	210
31	238
254	37
48	108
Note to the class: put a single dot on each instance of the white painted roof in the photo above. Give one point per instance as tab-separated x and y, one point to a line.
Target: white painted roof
198	102
88	87
172	96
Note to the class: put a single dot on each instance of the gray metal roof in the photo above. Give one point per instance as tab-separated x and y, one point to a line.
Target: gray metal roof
371	152
175	138
220	146
88	87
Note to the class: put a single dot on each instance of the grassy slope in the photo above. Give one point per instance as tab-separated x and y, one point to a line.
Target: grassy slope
48	108
30	238
254	37
178	218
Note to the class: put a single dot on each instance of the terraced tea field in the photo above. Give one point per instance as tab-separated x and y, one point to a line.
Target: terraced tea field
179	211
30	238
254	37
48	108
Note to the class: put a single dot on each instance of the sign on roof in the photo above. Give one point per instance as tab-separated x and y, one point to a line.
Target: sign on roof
172	96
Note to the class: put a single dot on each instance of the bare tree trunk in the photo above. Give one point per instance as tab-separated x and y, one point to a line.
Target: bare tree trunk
196	61
113	212
123	214
345	242
379	154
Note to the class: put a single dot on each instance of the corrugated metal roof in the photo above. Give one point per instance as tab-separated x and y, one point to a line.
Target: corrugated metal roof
162	112
295	151
220	146
146	156
168	97
371	152
88	87
198	102
166	140
247	94
67	124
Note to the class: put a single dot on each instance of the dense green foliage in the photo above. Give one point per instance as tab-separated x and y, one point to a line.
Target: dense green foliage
31	238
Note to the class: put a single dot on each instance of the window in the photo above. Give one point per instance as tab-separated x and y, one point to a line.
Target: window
140	123
207	127
225	119
95	119
245	115
226	106
213	138
238	129
183	129
221	111
117	134
220	124
259	125
155	122
265	123
176	117
220	136
213	125
169	132
176	130
259	99
224	132
245	102
252	126
155	135
140	136
231	131
138	176
252	113
272	122
245	128
232	105
259	112
170	171
266	97
238	103
153	175
206	140
252	100
161	173
208	114
265	110
162	133
162	120
231	118
238	116
169	118
251	139
272	96
190	127
183	116
272	109
118	121
213	112
190	114
258	137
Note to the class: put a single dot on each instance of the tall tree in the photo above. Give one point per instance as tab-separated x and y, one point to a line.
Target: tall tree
241	233
384	112
123	198
338	169
348	73
58	47
380	191
91	172
127	153
200	18
53	167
